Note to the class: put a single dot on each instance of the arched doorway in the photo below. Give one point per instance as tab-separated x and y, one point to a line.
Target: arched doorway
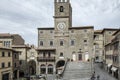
86	57
60	63
74	57
50	69
21	73
32	67
15	74
80	57
43	69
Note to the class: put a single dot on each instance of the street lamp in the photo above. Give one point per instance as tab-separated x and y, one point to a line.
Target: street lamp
54	70
46	68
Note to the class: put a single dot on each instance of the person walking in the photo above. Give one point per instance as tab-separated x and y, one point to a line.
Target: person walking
93	76
98	77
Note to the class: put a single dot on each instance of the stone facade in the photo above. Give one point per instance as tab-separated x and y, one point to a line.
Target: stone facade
15	60
64	41
107	37
24	49
64	38
6	69
7	40
116	55
98	46
81	43
33	66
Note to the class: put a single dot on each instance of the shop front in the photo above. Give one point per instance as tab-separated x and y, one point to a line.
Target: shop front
114	71
109	66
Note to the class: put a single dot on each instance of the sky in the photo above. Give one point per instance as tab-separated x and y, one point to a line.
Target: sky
25	16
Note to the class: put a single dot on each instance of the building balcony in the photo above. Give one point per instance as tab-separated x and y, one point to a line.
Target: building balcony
46	59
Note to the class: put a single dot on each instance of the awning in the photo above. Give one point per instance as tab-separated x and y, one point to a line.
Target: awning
60	68
114	69
109	65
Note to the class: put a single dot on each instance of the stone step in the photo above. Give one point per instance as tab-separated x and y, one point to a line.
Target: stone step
77	71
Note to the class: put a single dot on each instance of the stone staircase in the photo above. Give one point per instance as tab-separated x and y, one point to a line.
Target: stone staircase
77	71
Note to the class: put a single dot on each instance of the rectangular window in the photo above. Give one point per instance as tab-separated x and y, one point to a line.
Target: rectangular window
7	43
9	54
72	42
51	43
41	43
61	9
49	54
3	65
44	54
3	54
15	56
85	42
9	64
20	62
14	64
61	54
61	43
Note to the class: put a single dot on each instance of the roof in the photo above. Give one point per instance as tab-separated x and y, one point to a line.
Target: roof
110	29
108	44
5	35
49	28
4	48
116	32
20	46
80	27
45	49
9	49
98	31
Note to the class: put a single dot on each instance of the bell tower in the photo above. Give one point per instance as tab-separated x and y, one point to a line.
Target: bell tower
62	15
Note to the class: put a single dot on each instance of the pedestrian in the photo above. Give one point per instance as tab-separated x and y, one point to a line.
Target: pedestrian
98	77
93	76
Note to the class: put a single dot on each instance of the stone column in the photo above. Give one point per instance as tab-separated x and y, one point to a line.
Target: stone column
46	70
17	74
119	73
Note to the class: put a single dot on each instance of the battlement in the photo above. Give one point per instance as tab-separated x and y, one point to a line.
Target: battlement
62	1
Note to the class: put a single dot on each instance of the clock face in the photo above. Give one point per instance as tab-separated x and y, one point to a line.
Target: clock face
61	26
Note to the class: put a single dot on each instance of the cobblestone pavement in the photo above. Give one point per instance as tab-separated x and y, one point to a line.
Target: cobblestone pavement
104	75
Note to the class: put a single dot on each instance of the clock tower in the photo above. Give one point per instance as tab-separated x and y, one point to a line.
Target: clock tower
62	15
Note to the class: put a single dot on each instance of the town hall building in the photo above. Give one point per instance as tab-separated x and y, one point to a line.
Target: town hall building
63	41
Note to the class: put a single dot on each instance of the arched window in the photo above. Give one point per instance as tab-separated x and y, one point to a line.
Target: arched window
50	69
61	54
61	9
43	69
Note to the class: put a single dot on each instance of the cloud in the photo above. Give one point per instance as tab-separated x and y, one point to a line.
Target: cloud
25	16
